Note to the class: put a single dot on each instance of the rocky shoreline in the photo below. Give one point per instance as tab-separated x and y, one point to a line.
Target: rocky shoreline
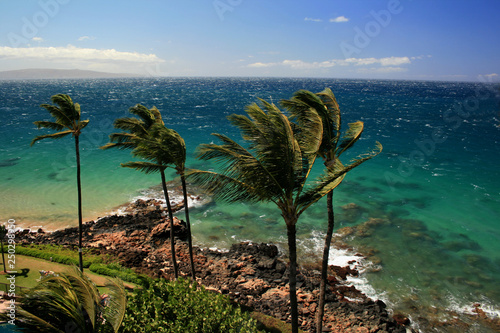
254	275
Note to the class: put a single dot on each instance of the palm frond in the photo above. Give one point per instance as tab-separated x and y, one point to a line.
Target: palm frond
300	104
327	182
147	117
228	189
59	115
119	145
86	293
120	141
237	162
132	125
60	308
58	135
31	323
82	124
335	173
332	107
304	105
157	115
269	133
122	137
67	106
115	310
49	124
350	137
78	111
146	167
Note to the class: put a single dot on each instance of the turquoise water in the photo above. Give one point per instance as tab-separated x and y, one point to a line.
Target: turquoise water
427	209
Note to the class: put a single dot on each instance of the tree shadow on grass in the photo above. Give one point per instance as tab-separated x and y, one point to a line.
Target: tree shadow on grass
23	273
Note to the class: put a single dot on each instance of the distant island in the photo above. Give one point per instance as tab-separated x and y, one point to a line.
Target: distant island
37	73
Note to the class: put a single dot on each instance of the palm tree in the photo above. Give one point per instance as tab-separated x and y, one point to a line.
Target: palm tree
67	121
273	168
177	149
139	130
171	147
70	302
3	232
325	105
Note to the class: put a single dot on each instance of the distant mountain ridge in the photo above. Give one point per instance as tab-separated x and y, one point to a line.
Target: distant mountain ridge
38	73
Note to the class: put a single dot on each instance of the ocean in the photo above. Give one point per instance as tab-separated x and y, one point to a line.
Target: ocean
425	212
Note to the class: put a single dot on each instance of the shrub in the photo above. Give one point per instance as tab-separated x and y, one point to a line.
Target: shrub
115	270
179	307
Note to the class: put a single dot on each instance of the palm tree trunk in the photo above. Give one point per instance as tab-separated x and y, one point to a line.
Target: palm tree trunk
324	264
79	186
171	217
188	224
3	255
292	249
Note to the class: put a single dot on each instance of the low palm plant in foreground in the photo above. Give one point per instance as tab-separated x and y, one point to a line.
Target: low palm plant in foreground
333	144
274	166
69	302
67	121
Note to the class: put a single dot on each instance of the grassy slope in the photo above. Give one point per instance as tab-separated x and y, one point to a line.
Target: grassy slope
28	272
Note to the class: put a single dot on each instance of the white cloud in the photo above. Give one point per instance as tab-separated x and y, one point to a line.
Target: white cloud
491	76
84	38
395	61
389	62
261	64
313	19
382	70
339	19
71	52
37	39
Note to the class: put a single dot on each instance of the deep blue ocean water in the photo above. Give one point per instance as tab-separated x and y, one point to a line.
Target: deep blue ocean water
426	210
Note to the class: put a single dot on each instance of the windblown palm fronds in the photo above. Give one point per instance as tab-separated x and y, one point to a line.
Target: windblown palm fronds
160	147
69	302
273	166
333	144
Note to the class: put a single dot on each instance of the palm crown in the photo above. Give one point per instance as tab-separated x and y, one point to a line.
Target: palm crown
163	147
273	167
133	127
67	118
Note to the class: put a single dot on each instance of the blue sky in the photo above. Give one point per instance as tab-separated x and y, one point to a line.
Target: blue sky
387	39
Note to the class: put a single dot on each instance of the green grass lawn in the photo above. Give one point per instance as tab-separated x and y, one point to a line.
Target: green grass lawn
28	272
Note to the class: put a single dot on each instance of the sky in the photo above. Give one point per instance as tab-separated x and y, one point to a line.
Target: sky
453	40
